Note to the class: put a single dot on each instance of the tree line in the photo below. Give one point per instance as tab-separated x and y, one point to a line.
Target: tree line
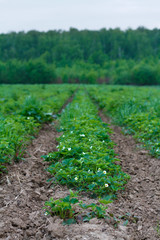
105	56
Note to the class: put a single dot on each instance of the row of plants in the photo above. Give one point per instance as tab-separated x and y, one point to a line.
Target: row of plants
22	111
85	160
137	109
13	98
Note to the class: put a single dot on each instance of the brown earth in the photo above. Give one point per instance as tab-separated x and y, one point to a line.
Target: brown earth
141	197
24	190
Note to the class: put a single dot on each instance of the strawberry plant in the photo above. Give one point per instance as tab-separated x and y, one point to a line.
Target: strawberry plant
70	208
135	108
63	207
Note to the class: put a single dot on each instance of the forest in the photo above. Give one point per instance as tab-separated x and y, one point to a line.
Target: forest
112	56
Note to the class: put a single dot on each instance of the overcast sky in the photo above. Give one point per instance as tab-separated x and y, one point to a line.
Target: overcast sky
44	15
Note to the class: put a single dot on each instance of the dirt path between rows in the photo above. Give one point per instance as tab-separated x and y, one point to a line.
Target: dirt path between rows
142	194
24	190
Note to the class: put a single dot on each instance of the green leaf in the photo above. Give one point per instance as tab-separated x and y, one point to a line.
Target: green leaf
69	221
74	200
125	223
86	219
83	205
66	199
105	201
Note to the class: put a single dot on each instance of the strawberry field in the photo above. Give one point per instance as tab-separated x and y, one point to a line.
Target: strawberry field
136	109
22	110
79	162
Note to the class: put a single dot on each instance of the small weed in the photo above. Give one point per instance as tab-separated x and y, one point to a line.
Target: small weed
158	229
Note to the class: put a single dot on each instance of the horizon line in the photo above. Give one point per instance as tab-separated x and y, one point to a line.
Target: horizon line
79	30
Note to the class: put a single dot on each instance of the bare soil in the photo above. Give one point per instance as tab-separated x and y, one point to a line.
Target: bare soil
24	190
141	197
